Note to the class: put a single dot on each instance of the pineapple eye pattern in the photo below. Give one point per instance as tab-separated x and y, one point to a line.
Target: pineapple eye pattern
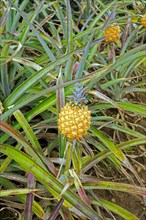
143	20
75	118
112	34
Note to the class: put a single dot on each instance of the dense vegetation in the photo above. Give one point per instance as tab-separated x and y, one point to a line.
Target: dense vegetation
46	48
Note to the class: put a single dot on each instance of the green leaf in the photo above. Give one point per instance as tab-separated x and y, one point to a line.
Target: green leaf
122	187
37	209
79	72
11	192
18	137
89	162
28	130
115	209
135	108
69	26
127	131
96	19
109	144
48	180
105	98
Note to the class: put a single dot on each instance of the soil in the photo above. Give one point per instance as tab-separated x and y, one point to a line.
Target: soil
131	203
8	214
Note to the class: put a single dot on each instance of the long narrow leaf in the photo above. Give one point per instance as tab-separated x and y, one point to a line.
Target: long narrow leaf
102	155
17	136
28	130
122	187
109	144
37	209
116	209
48	180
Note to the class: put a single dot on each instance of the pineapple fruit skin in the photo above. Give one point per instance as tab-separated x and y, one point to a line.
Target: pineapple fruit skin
112	34
74	121
143	20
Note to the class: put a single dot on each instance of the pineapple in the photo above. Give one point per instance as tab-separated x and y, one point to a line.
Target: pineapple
74	118
112	34
143	20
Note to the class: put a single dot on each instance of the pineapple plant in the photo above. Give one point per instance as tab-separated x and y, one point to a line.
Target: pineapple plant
112	34
74	118
143	20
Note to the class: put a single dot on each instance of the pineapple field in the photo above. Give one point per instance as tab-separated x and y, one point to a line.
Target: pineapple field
72	110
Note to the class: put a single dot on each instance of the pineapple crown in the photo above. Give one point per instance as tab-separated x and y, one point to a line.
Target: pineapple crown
78	95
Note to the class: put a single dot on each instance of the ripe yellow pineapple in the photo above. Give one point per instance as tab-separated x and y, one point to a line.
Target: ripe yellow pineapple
112	34
143	20
74	118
